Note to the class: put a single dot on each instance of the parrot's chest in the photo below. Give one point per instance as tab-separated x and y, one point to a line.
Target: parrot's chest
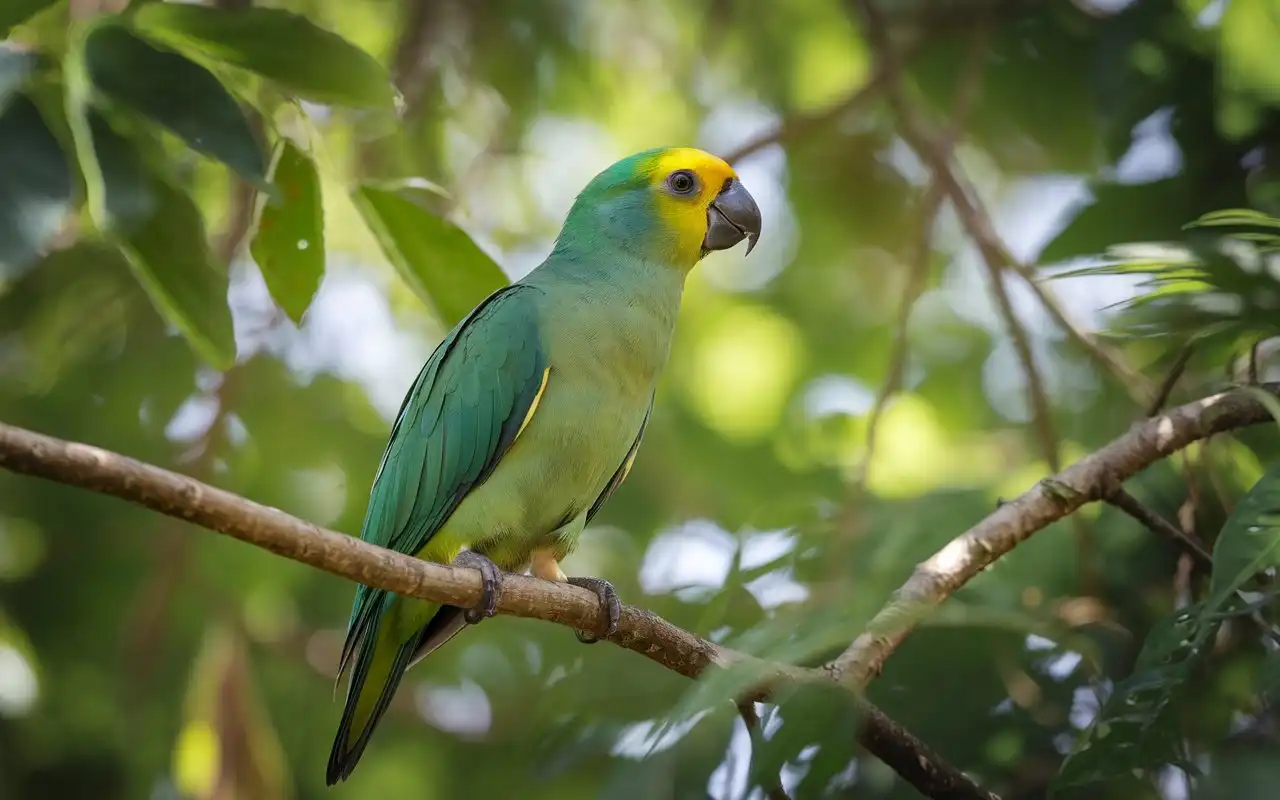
598	391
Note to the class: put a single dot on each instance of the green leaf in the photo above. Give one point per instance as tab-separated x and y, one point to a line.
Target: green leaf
1249	542
1137	726
35	184
436	258
16	12
15	67
301	57
170	257
289	243
128	197
175	92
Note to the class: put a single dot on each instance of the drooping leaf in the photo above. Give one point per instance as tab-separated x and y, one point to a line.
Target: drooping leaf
436	258
172	91
15	12
303	58
289	243
35	184
170	257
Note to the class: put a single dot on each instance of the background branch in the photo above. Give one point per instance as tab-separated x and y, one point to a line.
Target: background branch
676	649
1091	479
975	219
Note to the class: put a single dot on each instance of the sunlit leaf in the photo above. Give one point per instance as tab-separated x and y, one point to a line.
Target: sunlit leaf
171	259
301	57
15	12
436	258
174	92
35	185
289	243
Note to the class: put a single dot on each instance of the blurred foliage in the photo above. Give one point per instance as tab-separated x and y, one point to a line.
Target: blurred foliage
227	245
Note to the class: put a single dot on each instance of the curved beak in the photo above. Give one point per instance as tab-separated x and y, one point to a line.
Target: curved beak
732	217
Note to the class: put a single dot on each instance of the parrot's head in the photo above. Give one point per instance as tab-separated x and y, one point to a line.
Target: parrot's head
672	204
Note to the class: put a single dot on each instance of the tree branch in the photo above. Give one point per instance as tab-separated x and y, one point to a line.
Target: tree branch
974	217
1091	479
185	498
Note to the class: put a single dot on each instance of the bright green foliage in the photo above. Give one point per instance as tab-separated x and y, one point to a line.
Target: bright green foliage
436	258
135	152
265	41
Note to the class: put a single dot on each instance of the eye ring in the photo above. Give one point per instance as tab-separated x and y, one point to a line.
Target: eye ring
682	181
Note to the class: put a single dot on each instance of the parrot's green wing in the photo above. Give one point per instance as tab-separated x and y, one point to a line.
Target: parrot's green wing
624	469
461	416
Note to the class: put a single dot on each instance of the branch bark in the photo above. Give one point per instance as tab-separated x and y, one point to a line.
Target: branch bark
1094	478
185	498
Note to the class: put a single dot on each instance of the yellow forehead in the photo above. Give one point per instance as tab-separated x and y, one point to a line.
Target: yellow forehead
712	171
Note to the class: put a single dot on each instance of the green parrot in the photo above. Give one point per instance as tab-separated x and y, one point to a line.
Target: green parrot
528	415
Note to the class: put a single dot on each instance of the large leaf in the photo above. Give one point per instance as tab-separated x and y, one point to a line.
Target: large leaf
15	12
1249	542
170	256
436	258
172	91
35	184
303	58
289	243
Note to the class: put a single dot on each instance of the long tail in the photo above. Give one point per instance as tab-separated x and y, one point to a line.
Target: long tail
384	656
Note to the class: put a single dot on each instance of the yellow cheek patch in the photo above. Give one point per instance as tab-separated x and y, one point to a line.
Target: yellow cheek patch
687	216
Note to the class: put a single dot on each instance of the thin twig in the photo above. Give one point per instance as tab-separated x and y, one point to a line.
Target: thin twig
937	155
1160	526
1170	380
803	125
974	217
931	204
641	631
1089	480
774	790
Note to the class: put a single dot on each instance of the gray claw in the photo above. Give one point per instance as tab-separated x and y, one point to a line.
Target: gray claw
609	599
491	577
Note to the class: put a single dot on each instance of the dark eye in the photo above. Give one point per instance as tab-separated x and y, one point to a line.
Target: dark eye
682	182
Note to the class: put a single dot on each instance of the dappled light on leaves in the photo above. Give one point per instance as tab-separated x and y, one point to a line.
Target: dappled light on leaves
232	232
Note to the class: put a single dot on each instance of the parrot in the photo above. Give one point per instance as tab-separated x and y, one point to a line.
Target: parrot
528	415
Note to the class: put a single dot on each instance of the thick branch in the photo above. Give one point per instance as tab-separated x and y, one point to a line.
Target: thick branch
1089	480
678	650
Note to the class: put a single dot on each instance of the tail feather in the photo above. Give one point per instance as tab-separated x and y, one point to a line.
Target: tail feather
381	664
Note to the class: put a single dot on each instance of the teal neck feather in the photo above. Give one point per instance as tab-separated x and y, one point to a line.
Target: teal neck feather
615	215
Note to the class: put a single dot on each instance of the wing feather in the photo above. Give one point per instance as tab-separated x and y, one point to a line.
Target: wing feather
456	423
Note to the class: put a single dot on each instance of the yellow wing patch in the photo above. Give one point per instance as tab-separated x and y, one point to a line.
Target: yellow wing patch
537	398
688	215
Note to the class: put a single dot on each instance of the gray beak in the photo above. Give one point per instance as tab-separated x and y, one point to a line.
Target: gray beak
732	217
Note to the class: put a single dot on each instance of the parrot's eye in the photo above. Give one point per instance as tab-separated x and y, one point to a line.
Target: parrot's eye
682	182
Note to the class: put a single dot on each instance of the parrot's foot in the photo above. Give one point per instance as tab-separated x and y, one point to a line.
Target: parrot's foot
490	577
608	599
